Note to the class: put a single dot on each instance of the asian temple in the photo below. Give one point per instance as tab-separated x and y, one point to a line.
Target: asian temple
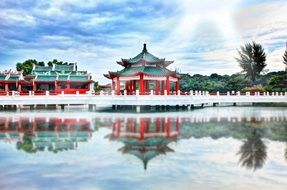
56	79
145	72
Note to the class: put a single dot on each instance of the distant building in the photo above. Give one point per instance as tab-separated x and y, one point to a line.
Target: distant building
55	79
144	72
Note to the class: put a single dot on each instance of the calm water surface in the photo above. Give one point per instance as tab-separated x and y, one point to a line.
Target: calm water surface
211	148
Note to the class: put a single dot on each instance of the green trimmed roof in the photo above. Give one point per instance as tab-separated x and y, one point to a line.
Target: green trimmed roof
48	78
79	72
2	77
79	78
13	77
144	55
42	68
146	58
63	77
154	71
61	68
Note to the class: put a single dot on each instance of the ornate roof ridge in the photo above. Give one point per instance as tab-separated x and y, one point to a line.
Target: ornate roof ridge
146	57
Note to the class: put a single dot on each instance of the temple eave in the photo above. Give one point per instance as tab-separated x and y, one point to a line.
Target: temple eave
113	75
107	76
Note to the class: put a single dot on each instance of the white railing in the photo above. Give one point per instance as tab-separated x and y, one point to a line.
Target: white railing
110	98
151	93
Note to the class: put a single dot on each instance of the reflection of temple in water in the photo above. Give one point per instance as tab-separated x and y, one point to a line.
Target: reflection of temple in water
40	133
145	138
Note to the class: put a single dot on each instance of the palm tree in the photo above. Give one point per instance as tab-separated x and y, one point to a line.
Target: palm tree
252	59
285	58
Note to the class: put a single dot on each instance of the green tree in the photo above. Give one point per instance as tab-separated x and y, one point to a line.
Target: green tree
27	65
97	87
55	61
252	59
278	83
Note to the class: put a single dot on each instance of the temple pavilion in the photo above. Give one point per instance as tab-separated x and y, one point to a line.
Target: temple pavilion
55	79
145	72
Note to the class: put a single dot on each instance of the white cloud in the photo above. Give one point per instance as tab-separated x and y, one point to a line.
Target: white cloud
11	16
201	36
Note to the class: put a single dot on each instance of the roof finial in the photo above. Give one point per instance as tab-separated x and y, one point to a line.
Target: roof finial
144	48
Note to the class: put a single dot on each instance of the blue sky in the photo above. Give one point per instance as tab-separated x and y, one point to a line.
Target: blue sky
201	36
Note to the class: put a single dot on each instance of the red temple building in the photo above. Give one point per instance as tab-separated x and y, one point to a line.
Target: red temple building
55	79
9	81
145	72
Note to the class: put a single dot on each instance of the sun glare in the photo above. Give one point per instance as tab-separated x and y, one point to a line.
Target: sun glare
218	13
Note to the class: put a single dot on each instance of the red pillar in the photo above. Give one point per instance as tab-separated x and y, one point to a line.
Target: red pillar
6	124
68	84
162	87
118	86
177	86
34	87
142	128
56	85
141	84
131	87
168	126
19	88
118	127
127	86
167	85
147	122
177	125
147	86
113	84
158	125
134	85
6	88
157	87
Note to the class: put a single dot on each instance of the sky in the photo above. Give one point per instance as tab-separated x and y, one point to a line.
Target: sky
200	36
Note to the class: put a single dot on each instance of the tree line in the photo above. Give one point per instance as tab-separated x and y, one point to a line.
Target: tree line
252	60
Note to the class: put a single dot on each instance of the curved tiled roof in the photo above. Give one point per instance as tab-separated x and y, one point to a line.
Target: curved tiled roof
46	78
144	57
153	71
64	68
79	78
2	77
39	68
13	78
63	77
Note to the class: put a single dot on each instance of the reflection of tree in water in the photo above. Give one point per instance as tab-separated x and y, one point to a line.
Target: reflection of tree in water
285	152
253	152
28	145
